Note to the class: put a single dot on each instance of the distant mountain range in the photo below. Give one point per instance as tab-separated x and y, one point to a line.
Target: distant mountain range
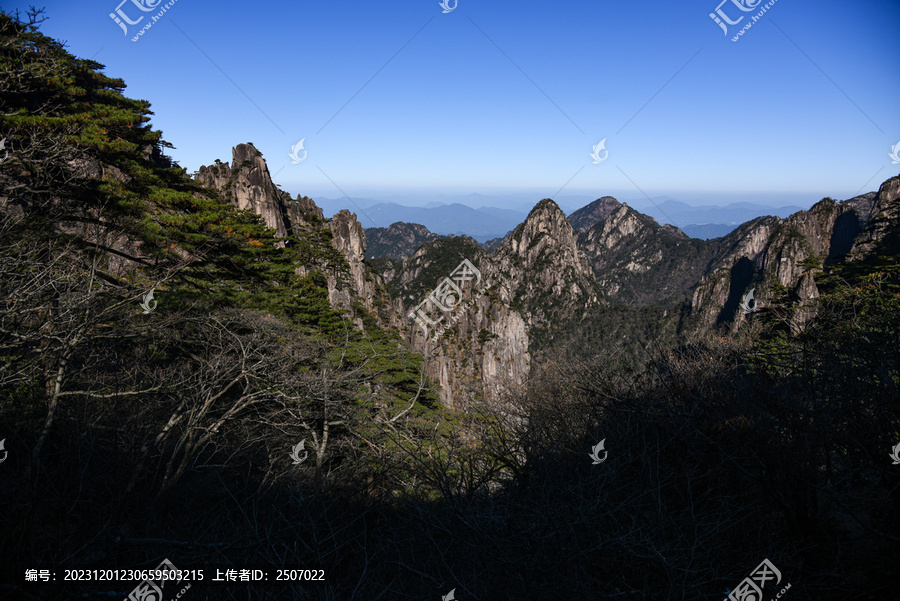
709	221
489	222
482	224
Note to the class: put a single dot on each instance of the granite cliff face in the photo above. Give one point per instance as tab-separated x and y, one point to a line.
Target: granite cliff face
882	222
534	281
634	260
769	252
248	184
717	296
477	349
539	269
349	239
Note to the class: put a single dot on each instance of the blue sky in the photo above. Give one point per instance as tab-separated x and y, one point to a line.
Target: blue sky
397	100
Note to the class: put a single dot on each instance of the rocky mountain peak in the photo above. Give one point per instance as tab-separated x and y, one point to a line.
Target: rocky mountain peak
588	216
635	260
248	184
542	270
622	222
245	152
348	232
546	227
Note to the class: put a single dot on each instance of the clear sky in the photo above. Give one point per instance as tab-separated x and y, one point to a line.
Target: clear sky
399	98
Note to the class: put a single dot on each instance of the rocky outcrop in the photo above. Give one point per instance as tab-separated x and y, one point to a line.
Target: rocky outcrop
637	262
881	223
493	244
539	269
769	252
398	241
484	354
718	293
349	239
248	185
590	215
303	210
478	347
805	310
535	281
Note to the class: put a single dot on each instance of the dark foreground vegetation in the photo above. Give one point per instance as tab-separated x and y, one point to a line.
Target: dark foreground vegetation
132	437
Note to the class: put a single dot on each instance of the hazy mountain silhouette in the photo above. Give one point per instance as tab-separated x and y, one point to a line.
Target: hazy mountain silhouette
487	222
